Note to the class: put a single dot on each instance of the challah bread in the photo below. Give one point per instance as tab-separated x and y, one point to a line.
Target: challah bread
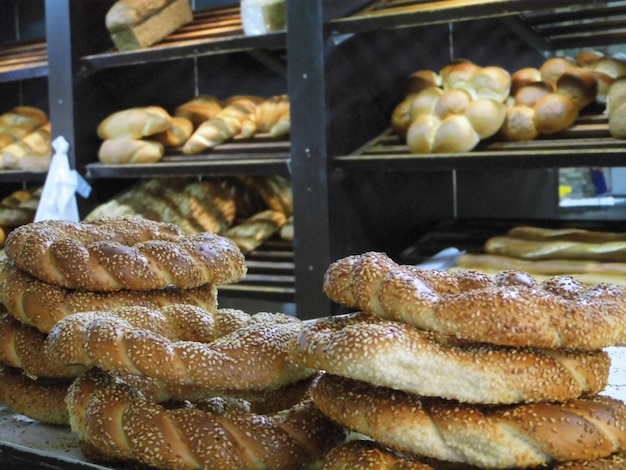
180	130
34	146
551	69
123	253
461	304
122	424
556	249
199	109
22	347
579	85
270	116
420	80
252	232
510	436
226	125
41	305
490	82
130	151
414	105
134	123
20	115
253	357
524	76
135	24
396	355
37	399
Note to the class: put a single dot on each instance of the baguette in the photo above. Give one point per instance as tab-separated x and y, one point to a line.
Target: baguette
178	133
558	249
134	123
199	109
271	116
567	234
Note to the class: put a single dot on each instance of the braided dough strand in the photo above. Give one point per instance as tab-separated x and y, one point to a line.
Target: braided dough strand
509	436
122	424
123	253
42	305
400	356
509	309
250	358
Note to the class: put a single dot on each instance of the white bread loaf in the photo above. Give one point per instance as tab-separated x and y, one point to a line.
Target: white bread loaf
122	151
135	24
135	123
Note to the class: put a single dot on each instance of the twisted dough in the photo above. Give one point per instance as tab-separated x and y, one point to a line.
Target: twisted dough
400	356
121	423
39	400
123	253
510	309
488	437
22	347
41	305
364	454
252	357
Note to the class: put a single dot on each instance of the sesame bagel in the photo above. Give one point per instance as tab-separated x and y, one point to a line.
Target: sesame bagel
365	347
511	308
41	305
123	424
123	253
253	357
367	455
510	436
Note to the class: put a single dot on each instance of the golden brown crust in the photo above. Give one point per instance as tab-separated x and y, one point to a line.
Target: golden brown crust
39	400
489	437
396	355
252	357
123	253
41	305
367	455
614	462
193	438
22	347
502	310
567	234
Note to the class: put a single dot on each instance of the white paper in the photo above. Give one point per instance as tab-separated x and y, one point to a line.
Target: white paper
58	198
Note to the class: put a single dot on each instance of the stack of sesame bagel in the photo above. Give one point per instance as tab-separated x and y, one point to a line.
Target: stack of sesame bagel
466	370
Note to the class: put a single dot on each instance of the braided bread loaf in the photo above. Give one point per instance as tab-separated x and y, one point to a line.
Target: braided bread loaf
122	424
509	309
123	253
41	305
366	454
251	357
489	437
400	356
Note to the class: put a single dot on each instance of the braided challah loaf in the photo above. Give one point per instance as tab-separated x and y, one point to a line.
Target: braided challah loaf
512	436
123	253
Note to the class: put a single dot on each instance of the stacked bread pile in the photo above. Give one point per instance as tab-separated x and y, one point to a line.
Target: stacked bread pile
494	372
18	208
108	320
592	256
142	134
25	139
451	111
248	209
136	24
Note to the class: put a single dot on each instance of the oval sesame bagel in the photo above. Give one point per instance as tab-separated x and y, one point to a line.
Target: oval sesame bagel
122	424
253	357
367	455
510	308
393	354
123	253
41	305
508	436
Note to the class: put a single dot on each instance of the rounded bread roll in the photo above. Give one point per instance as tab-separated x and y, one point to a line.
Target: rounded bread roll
554	67
524	76
579	85
396	355
455	134
530	93
554	113
127	151
508	436
123	253
420	136
458	74
491	82
462	304
519	124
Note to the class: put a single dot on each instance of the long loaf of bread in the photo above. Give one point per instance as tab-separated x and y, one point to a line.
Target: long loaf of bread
566	234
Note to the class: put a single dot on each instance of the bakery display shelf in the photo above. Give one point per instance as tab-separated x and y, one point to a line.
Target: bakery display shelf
470	235
23	60
18	176
213	31
586	143
259	155
270	273
388	14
